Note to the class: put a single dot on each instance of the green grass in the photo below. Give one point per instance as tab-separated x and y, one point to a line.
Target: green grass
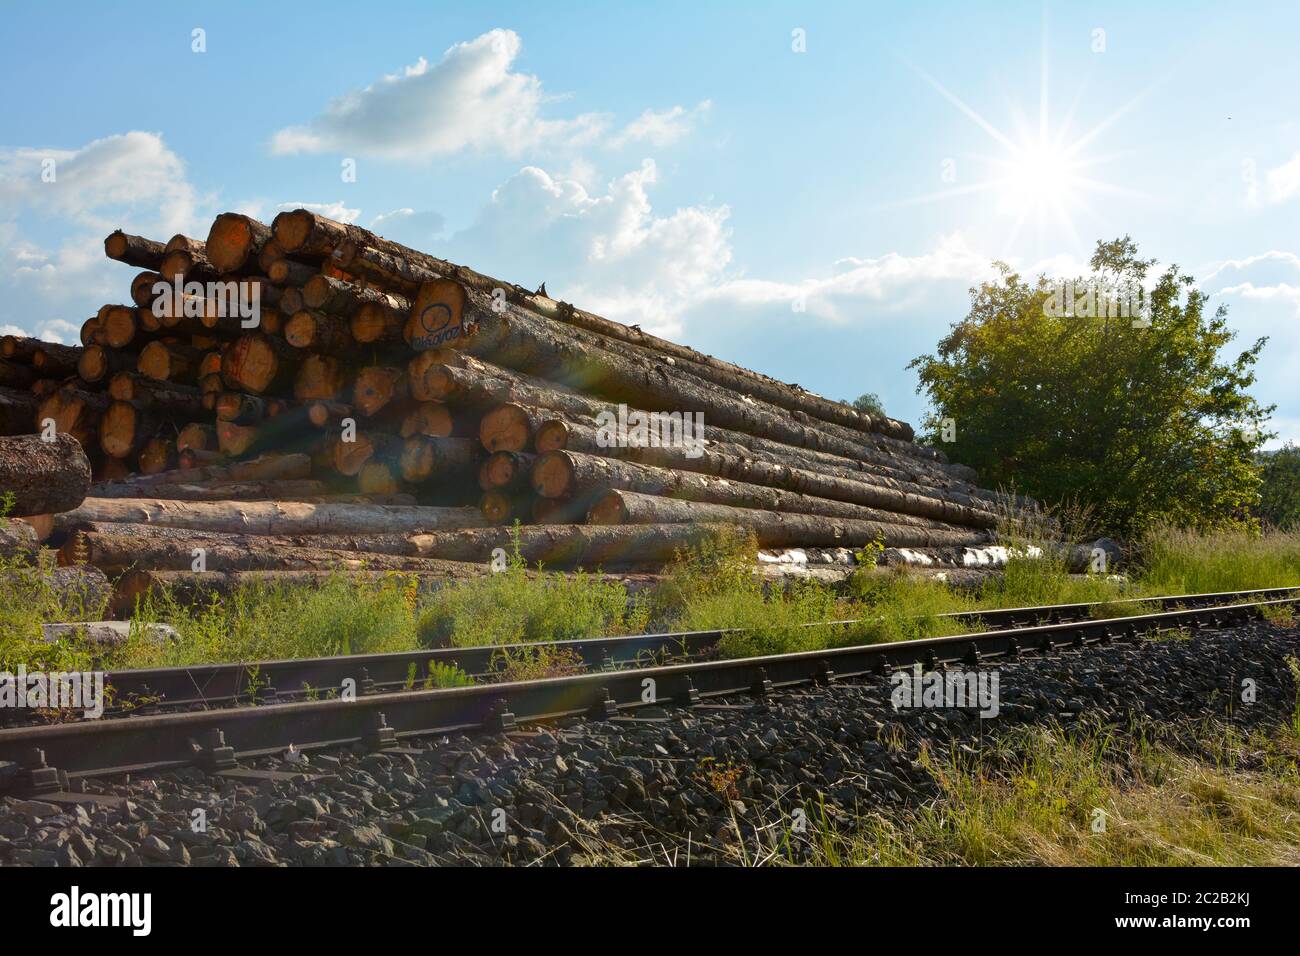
1188	562
1042	796
706	587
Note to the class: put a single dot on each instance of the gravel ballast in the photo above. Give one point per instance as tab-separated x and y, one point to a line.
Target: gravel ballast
670	783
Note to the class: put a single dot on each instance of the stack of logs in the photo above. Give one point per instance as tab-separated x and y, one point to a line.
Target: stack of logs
308	396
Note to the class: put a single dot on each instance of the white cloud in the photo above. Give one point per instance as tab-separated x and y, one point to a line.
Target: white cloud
470	101
330	210
129	177
609	252
130	180
661	128
1284	181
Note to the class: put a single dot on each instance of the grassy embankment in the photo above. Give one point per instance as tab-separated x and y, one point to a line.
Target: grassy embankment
710	587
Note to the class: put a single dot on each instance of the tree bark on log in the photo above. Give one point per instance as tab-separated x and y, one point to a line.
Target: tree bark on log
17	411
773	529
18	540
183	402
345	299
511	337
78	590
271	518
134	250
318	332
861	489
295	489
384	261
426	459
564	474
43	476
15	376
260	363
590	546
74	412
235	240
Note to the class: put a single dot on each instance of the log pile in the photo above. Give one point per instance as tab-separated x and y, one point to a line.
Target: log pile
306	395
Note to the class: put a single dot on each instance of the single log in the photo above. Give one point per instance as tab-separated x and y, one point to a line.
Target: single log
235	240
134	250
318	332
259	363
240	408
345	299
773	529
142	289
51	360
19	348
499	507
108	634
18	540
377	322
269	467
284	271
44	477
378	387
197	435
74	412
320	377
125	428
275	518
437	316
182	241
13	375
509	472
428	418
119	326
17	411
565	474
119	553
291	300
271	253
78	590
45	387
350	456
567	546
91	332
179	265
510	427
176	401
429	459
167	360
159	454
379	478
398	274
282	489
325	414
98	363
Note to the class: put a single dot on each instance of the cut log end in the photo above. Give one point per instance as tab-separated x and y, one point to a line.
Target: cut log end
292	229
497	507
437	316
553	475
608	509
551	435
505	428
233	239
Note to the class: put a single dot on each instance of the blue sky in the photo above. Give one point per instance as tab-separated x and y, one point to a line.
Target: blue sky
680	165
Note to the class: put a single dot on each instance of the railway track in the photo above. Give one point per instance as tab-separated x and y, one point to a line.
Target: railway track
216	738
265	682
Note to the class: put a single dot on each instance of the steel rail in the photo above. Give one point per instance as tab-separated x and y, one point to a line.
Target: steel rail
214	738
222	685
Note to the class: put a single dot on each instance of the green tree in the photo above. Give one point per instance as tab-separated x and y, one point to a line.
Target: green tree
1279	493
1137	414
869	403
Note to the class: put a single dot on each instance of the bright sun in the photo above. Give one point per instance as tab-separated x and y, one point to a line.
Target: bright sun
1039	179
1039	176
